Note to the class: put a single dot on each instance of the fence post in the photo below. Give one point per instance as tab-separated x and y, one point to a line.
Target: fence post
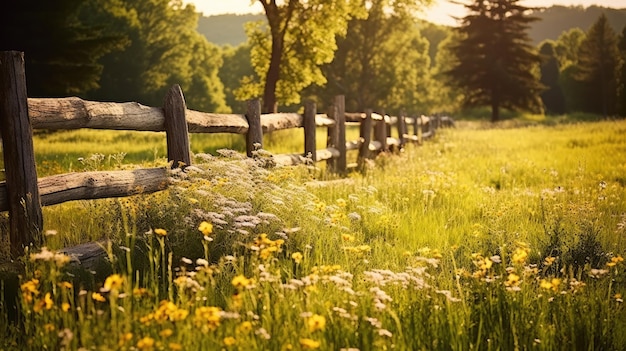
402	130
380	133
333	136
254	137
25	215
342	162
176	131
366	137
310	148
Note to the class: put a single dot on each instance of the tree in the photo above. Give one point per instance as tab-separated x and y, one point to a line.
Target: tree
236	66
382	62
287	51
164	49
598	67
495	59
567	45
622	88
552	97
61	51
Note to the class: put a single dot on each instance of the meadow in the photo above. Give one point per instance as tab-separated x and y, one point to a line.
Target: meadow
481	239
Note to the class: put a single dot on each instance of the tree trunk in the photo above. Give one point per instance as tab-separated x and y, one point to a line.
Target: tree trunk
495	111
273	75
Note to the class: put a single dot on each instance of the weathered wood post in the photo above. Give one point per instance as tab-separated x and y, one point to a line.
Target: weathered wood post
402	130
366	137
25	216
176	131
342	162
310	148
254	136
380	133
416	125
333	137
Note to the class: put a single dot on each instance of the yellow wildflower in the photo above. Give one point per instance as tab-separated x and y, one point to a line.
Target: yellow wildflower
230	341
316	322
65	306
347	237
124	338
512	280
297	257
244	327
206	228
615	261
175	346
520	255
48	303
309	343
29	289
549	261
166	333
113	283
207	318
160	232
240	282
146	343
66	285
98	297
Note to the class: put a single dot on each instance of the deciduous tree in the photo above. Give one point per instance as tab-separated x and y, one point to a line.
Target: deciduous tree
495	61
552	96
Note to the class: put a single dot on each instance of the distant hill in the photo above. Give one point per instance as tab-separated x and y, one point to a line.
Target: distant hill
557	19
226	29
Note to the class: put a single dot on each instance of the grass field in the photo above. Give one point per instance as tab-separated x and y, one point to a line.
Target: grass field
481	239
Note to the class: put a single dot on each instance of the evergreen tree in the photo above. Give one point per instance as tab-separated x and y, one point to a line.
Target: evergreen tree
495	59
622	86
552	97
61	52
598	68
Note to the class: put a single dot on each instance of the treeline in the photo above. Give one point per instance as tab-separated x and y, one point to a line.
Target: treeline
380	56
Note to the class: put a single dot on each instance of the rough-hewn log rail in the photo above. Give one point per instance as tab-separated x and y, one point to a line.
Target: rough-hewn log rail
95	185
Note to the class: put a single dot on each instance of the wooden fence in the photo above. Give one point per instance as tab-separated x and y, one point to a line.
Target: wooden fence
23	194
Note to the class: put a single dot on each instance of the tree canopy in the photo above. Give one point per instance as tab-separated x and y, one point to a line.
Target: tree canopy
495	60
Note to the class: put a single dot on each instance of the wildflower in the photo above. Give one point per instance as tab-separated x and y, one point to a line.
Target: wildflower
230	341
240	282
618	298
97	297
160	232
347	237
297	257
520	255
147	343
29	290
341	203
316	322
552	284
113	283
206	228
615	261
48	303
166	333
207	318
124	338
175	346
512	280
549	261
244	327
309	343
66	285
597	273
65	306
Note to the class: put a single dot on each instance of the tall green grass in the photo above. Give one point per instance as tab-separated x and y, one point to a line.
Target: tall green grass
482	239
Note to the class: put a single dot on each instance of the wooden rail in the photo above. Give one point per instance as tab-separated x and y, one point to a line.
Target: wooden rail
23	194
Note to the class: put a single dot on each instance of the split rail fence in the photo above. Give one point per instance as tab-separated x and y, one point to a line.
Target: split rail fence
23	194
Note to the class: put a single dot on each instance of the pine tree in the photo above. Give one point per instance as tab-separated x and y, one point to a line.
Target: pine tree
622	86
598	67
495	58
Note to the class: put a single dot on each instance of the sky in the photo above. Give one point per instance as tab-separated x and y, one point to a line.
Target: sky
441	12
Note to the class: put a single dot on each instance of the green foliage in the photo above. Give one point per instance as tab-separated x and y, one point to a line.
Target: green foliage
288	49
363	70
598	68
552	97
164	49
622	88
236	67
494	59
61	50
